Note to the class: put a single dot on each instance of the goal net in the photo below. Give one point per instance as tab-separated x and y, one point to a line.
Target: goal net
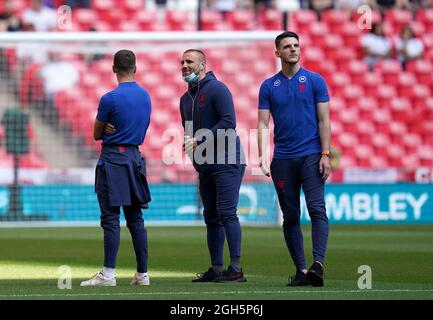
51	83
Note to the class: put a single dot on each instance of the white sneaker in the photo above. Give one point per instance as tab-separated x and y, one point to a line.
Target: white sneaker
99	279
140	281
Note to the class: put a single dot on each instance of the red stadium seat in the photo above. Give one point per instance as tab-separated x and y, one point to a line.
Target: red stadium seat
357	70
411	162
241	19
312	58
342	57
366	105
369	81
347	162
332	45
425	155
351	37
103	5
303	18
419	93
401	108
89	80
381	118
390	70
378	162
366	131
271	19
335	19
348	140
425	16
352	93
405	80
349	119
336	128
380	142
113	17
132	6
384	94
423	70
178	20
18	6
411	142
426	133
318	32
146	19
398	18
84	17
425	107
129	26
211	20
427	40
418	28
338	82
363	154
394	155
397	129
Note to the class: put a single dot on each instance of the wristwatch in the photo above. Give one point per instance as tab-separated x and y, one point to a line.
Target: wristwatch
326	153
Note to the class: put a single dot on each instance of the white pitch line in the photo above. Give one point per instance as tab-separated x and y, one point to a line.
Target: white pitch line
208	292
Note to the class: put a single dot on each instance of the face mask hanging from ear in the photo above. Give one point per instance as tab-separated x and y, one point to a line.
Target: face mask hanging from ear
193	76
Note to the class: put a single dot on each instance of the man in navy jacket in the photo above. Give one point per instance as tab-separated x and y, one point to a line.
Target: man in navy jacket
209	120
121	171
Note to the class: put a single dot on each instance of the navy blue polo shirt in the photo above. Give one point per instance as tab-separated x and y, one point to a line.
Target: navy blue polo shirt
292	104
128	108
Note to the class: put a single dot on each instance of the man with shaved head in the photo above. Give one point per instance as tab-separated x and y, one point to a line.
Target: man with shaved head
208	116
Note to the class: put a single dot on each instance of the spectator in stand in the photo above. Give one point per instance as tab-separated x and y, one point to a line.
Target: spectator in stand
421	4
8	20
223	6
49	3
408	46
384	5
320	5
78	3
376	46
89	58
350	5
58	75
262	5
41	17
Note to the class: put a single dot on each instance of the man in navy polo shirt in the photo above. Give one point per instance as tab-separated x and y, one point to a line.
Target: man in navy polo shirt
298	100
121	123
209	119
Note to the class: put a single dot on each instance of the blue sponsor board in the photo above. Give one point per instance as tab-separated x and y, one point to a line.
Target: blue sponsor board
170	203
375	203
396	203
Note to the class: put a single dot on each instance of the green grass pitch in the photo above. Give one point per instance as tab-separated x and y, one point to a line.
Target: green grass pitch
400	257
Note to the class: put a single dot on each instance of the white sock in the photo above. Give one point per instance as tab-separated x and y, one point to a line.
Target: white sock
109	272
141	275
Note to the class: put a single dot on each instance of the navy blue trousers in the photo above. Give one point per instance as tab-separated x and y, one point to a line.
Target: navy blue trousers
288	177
219	191
110	224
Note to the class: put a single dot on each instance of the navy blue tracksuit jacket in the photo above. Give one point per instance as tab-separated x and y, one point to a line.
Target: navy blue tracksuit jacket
212	105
